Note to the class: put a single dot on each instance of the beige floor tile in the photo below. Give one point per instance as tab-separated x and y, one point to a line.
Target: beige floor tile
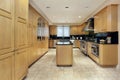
83	69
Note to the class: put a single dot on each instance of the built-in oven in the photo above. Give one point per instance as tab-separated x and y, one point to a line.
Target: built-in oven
95	49
83	46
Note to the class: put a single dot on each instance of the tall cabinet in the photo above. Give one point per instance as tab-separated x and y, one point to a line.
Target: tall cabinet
21	25
7	39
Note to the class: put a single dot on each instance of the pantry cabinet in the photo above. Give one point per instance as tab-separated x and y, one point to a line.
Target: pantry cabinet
106	19
7	66
21	64
6	26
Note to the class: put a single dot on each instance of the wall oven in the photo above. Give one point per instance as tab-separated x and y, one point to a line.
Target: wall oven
83	46
95	49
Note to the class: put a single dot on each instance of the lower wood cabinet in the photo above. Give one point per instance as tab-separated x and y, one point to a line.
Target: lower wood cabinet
7	66
77	43
108	54
21	64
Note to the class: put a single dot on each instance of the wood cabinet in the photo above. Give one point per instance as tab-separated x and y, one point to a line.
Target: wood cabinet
7	66
30	35
53	30
20	35
37	47
106	20
108	55
21	23
64	55
6	26
79	29
77	43
21	64
21	9
73	30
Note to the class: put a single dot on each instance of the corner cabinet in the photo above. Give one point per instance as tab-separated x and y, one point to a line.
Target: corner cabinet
106	20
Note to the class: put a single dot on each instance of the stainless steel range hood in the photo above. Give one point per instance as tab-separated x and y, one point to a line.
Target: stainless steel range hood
89	25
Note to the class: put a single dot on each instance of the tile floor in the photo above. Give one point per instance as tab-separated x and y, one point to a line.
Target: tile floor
83	69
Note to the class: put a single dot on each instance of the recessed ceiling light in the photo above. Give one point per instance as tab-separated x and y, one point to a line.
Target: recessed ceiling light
66	7
48	7
86	7
79	17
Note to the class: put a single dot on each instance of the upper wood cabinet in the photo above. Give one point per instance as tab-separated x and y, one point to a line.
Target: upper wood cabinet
21	9
7	66
73	30
6	26
53	30
79	30
106	20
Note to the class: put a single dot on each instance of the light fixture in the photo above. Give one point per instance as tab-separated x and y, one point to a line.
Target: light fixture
79	17
86	7
66	7
48	7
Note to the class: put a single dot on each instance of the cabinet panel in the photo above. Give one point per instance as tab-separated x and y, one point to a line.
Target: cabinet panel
106	20
30	35
6	35
73	30
53	30
22	9
7	66
21	64
20	35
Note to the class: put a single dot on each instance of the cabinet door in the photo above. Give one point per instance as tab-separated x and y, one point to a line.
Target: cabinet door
53	30
103	20
20	35
30	35
7	66
73	30
6	26
79	30
21	9
21	64
97	22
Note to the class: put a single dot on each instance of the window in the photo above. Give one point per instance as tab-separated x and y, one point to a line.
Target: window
63	31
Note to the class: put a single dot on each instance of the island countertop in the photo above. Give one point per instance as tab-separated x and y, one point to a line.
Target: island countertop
64	43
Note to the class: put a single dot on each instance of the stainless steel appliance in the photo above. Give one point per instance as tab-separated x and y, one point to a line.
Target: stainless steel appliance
95	49
83	46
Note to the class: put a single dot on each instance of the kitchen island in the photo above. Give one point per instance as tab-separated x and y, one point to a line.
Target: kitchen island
64	53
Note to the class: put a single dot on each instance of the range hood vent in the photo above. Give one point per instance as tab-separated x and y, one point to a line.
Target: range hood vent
89	25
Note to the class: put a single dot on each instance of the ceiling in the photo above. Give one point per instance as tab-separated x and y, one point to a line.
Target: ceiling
56	13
